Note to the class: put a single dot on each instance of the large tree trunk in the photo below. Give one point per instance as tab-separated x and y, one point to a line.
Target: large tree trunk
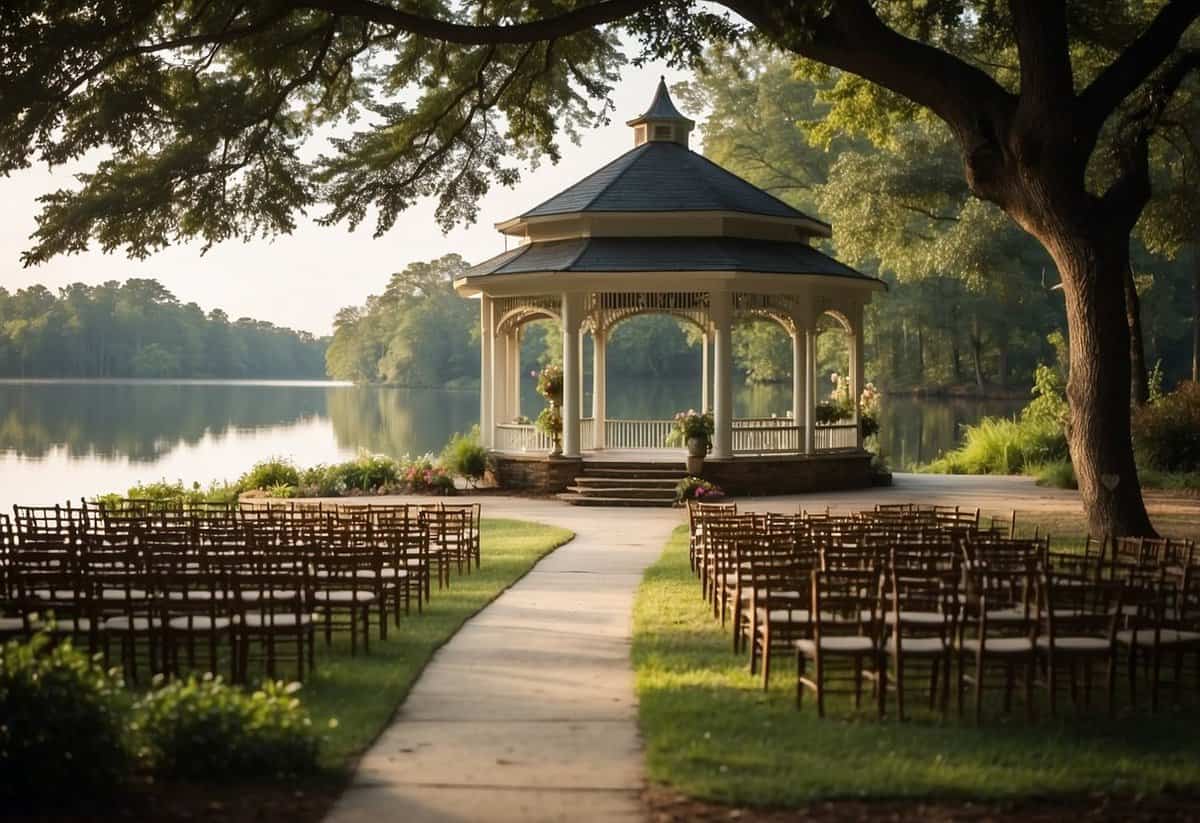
1092	262
1196	313
1139	385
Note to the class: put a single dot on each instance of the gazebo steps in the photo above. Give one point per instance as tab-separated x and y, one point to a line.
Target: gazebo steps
666	493
653	471
596	481
581	500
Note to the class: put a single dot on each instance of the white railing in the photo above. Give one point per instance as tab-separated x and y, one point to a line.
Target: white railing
759	422
836	436
637	434
521	437
767	439
587	432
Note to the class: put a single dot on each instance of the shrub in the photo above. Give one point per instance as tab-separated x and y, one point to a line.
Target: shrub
321	481
696	488
689	424
62	724
205	730
997	445
266	474
365	473
421	475
1166	433
1059	474
465	456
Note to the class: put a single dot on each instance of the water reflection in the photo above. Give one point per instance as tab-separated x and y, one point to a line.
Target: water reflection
67	439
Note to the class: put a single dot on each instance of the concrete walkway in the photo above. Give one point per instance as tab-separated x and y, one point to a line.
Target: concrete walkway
528	713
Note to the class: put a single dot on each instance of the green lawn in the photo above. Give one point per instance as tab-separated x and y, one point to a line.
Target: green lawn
713	734
363	692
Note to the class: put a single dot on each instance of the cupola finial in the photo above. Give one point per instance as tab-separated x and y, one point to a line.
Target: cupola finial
662	122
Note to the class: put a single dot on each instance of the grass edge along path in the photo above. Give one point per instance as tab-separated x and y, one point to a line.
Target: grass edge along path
364	692
712	734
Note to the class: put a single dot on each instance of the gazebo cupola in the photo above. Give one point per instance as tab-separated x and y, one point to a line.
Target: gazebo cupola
662	121
662	229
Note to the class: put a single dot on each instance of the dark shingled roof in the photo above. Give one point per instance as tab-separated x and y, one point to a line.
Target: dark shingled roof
664	254
664	176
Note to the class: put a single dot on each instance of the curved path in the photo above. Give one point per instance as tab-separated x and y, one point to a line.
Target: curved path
528	713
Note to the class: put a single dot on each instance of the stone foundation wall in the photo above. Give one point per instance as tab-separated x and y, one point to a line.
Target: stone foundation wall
745	476
535	473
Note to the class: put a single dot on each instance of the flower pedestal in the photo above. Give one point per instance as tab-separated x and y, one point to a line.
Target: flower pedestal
697	448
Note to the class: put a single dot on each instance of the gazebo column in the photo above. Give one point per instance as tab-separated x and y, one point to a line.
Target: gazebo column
485	372
705	371
514	374
856	371
581	391
599	378
499	378
799	370
572	316
810	390
721	311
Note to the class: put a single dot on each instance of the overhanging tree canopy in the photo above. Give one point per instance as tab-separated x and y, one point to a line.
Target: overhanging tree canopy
206	103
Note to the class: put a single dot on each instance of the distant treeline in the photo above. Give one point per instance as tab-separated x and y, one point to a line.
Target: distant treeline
140	329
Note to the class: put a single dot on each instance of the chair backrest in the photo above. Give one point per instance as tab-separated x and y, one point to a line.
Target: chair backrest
1073	604
845	602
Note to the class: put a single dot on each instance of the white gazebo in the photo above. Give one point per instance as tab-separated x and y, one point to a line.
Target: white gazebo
663	230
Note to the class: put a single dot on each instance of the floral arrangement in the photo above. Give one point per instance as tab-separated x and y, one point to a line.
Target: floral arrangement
550	421
697	488
689	424
423	475
550	383
839	406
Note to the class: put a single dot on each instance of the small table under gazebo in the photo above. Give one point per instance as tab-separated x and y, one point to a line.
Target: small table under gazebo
662	230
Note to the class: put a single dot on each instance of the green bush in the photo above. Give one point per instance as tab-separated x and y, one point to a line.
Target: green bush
203	729
365	473
266	474
321	481
421	475
1166	433
62	724
1059	474
998	445
465	456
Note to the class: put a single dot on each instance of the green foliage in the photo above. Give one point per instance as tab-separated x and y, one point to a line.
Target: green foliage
1049	404
418	332
421	475
697	488
164	490
365	473
1166	433
691	424
550	383
140	329
269	473
1002	446
1059	474
62	725
465	456
202	729
549	421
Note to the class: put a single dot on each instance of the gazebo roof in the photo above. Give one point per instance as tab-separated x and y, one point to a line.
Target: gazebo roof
598	255
662	176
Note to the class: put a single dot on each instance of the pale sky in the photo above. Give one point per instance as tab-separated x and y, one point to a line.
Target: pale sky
302	279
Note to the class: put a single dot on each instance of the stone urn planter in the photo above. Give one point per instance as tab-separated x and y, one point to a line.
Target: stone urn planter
697	448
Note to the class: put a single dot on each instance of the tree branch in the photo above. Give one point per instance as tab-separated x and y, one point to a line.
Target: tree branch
534	31
1136	63
1040	27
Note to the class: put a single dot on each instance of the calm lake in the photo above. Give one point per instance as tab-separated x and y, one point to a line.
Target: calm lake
67	439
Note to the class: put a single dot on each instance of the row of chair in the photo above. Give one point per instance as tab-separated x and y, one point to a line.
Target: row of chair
250	583
899	587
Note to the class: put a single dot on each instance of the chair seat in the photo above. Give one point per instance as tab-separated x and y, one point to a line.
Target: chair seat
257	620
918	646
747	594
68	626
344	596
123	594
8	625
277	595
385	573
1166	637
199	623
912	618
122	623
1000	645
1009	615
55	594
199	595
783	615
848	644
1076	644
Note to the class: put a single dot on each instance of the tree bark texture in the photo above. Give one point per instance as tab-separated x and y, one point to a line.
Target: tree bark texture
1139	385
1196	313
